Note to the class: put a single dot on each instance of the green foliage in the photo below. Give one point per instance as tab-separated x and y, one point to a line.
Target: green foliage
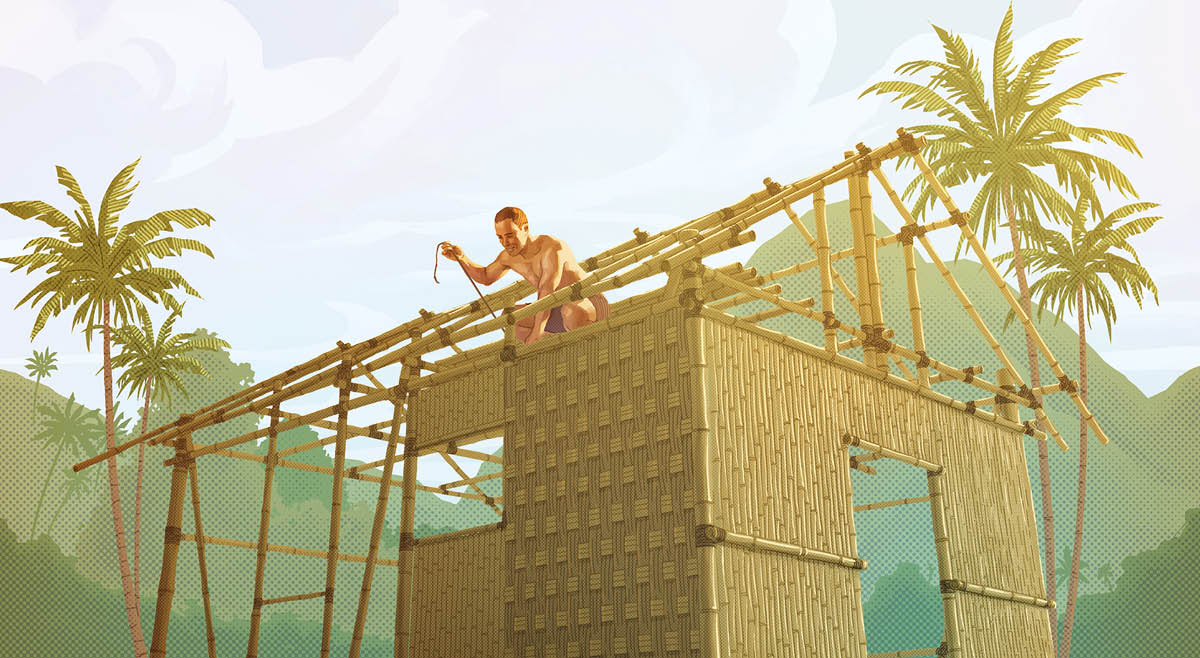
903	612
151	361
41	364
70	428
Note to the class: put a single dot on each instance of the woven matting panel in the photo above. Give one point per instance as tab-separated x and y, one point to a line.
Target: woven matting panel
781	605
599	493
457	595
461	407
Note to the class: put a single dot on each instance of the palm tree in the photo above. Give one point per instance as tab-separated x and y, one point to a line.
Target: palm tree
1072	270
1006	141
105	271
1106	574
40	365
68	427
75	484
1065	562
151	364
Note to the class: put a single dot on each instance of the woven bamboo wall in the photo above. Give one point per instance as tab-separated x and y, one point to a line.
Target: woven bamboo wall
599	495
780	473
461	407
457	592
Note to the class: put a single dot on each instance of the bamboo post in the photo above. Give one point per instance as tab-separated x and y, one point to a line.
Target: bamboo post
910	273
364	595
171	537
862	283
208	622
871	251
264	524
946	568
827	309
404	575
710	637
1008	410
335	507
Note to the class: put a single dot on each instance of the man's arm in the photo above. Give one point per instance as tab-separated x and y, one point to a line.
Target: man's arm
486	275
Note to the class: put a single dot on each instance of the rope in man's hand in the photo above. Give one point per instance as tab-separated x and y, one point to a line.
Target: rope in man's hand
438	248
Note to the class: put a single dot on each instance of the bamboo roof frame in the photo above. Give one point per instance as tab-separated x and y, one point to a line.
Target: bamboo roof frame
706	292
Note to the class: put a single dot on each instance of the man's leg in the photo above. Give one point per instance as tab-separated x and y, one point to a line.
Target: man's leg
578	314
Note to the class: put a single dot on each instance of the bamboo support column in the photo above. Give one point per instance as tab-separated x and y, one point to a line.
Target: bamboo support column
171	538
389	461
404	570
860	628
946	569
862	282
335	507
208	622
710	636
264	524
871	251
826	268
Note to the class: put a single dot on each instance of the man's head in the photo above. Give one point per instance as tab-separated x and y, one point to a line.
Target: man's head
512	229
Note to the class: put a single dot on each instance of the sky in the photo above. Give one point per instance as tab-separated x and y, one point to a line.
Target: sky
336	143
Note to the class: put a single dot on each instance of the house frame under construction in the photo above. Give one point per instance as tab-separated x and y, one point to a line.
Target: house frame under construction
676	479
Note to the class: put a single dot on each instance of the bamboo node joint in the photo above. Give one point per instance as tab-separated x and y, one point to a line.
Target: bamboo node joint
709	535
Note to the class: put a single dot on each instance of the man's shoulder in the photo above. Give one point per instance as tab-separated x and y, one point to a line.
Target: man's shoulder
549	241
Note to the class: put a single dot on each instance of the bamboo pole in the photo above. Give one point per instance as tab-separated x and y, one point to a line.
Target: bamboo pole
166	577
766	315
904	369
995	593
826	269
910	273
870	248
1015	305
289	550
946	568
945	377
471	481
264	524
861	282
404	575
853	440
787	549
208	623
739	299
890	503
294	597
389	461
335	506
693	327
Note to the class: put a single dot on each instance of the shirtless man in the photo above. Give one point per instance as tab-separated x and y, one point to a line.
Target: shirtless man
546	263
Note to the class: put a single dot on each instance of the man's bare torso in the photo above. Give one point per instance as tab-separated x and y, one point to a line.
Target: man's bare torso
539	260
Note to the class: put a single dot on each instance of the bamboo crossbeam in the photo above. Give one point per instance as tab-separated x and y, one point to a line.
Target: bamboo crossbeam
1013	304
857	341
1055	388
290	550
806	265
890	503
711	533
797	306
913	230
946	377
473	482
208	623
995	593
857	366
908	653
294	597
739	299
903	368
852	440
371	431
766	315
856	465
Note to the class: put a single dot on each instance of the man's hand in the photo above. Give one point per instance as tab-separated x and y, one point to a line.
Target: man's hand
453	252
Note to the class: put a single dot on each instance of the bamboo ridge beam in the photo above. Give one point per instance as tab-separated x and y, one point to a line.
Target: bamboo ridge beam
290	550
890	503
708	535
852	440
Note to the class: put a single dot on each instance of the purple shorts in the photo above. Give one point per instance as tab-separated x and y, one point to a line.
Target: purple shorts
554	324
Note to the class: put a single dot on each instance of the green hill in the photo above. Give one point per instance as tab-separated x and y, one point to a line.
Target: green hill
1138	485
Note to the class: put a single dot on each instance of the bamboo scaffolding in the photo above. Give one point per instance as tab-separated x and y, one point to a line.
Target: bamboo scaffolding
806	265
910	273
1013	304
290	550
766	315
739	299
874	285
208	623
335	505
890	503
904	369
852	440
826	269
857	366
264	524
471	481
945	377
171	538
294	597
856	341
389	461
994	593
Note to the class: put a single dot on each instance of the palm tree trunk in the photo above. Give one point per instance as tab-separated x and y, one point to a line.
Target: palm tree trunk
1073	585
1034	382
132	613
37	512
137	505
36	388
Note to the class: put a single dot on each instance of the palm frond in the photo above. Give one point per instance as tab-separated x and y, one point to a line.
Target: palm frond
116	198
75	192
1002	66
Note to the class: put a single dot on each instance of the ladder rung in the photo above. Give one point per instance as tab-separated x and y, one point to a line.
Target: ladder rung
294	597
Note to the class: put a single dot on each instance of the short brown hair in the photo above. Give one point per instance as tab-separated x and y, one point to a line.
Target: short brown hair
515	214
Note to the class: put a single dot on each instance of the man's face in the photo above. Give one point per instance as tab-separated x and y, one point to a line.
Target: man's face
512	237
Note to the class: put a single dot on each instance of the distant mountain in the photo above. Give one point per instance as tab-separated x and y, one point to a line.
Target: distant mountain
1139	485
